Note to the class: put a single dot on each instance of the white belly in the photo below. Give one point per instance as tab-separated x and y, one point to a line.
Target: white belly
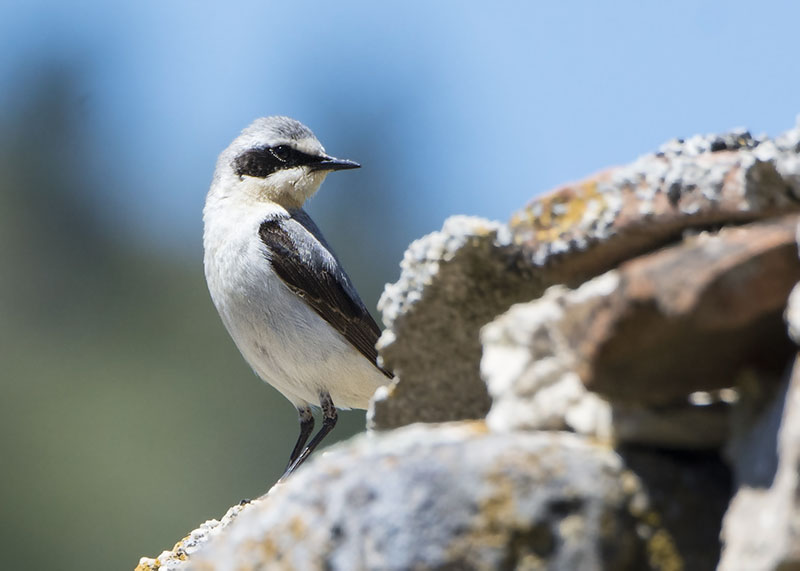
286	343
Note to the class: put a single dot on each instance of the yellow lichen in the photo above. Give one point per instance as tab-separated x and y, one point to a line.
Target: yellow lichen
297	528
550	216
147	564
662	552
489	527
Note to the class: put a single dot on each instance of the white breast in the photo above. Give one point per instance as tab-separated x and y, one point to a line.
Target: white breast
286	343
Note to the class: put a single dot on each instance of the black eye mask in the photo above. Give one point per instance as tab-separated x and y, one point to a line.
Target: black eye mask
263	161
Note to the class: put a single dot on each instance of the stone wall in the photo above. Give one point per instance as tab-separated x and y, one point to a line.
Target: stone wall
608	381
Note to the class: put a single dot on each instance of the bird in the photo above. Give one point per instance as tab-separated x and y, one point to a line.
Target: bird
279	288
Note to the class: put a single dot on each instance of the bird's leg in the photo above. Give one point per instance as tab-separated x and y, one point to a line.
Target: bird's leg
329	418
306	426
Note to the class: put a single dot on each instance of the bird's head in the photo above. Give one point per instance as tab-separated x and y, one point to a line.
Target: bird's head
276	159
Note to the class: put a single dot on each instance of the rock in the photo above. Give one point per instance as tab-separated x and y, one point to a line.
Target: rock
792	314
621	354
176	558
762	526
452	282
451	497
583	229
683	319
455	281
529	365
691	317
455	496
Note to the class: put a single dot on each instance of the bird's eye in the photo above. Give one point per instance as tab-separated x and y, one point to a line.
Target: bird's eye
281	152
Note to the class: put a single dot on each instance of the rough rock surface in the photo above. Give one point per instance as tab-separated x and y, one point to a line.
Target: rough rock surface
177	557
687	318
692	316
468	272
455	496
762	526
583	229
455	281
530	367
451	497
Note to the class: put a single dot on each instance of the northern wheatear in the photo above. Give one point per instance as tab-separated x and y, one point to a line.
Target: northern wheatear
280	290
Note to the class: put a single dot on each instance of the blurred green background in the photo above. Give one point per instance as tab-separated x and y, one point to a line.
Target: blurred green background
127	417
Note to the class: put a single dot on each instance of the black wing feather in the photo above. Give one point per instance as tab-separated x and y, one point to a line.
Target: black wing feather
315	275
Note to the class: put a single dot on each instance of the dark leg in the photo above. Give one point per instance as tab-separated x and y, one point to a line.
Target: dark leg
329	418
306	426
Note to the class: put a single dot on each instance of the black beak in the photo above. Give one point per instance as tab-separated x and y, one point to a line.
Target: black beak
334	164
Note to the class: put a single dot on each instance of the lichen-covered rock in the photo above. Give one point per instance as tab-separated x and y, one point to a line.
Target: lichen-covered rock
529	365
176	558
644	337
586	228
455	281
451	497
452	282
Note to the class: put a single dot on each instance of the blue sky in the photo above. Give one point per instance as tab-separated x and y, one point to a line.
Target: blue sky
470	107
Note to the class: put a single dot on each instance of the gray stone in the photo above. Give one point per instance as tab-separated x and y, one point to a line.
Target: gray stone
529	365
176	558
762	526
455	496
452	282
450	497
792	314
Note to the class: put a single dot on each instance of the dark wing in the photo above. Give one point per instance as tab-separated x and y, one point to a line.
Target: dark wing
302	259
